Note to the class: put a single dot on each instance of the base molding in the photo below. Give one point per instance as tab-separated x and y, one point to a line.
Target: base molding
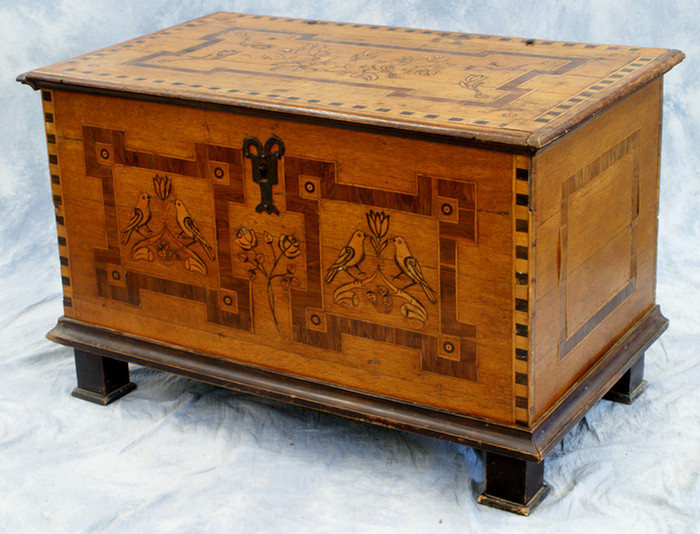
525	443
514	454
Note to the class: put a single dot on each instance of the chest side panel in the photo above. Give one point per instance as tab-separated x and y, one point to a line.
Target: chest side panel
377	262
595	207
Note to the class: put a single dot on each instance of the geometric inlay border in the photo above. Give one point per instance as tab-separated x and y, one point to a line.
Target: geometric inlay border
302	174
105	148
57	196
452	353
521	307
629	145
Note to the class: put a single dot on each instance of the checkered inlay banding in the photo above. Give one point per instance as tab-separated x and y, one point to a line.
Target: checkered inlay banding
47	99
521	312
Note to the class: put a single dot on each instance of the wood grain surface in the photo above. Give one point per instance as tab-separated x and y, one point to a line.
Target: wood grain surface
595	205
504	90
164	242
461	255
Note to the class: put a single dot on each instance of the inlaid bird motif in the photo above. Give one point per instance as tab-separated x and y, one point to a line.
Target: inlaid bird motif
409	266
140	217
190	229
349	256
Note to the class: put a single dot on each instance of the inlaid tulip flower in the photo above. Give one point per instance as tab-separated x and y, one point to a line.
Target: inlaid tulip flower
378	223
162	185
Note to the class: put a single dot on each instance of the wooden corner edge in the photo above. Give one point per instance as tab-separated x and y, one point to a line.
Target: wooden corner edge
26	80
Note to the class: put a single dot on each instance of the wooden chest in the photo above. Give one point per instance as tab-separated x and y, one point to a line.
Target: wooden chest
445	233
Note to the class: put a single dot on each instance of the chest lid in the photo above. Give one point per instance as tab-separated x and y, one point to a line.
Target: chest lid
500	90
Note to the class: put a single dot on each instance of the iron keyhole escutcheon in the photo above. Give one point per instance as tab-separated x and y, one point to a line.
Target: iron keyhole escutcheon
264	161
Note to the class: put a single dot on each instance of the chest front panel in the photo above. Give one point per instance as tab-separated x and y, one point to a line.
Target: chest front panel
369	261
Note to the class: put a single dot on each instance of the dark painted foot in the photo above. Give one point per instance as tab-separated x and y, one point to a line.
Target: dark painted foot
630	386
101	380
513	485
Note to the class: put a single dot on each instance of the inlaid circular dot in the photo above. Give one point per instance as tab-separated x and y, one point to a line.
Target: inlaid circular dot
228	300
104	153
315	319
446	209
448	347
309	187
116	275
218	172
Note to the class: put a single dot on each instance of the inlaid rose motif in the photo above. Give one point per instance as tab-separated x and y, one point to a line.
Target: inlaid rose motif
264	260
289	246
246	238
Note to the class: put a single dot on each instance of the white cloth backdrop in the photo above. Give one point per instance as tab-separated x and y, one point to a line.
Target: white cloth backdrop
178	456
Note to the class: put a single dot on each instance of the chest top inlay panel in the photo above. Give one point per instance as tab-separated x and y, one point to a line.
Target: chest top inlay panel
499	89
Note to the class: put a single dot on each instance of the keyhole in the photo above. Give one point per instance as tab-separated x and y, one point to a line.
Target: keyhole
262	172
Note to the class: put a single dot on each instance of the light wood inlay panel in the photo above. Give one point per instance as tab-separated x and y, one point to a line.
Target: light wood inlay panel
510	90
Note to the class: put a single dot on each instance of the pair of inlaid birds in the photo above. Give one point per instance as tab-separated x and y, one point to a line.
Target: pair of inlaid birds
142	214
352	254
